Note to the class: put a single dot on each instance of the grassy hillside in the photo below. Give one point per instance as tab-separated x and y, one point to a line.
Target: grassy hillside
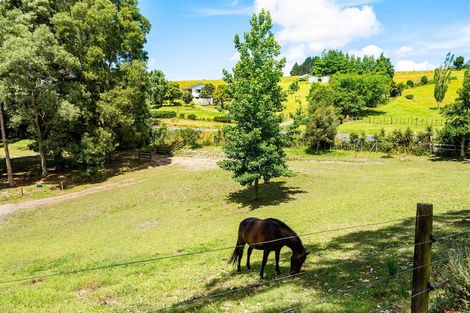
400	113
174	209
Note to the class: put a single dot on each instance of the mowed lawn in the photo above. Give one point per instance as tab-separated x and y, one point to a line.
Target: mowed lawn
189	207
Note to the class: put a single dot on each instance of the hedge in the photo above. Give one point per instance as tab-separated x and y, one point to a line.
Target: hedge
164	114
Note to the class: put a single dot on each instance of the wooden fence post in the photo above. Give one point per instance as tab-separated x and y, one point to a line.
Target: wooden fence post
422	258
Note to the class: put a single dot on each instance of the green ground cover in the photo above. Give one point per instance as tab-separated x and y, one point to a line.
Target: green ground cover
190	206
400	113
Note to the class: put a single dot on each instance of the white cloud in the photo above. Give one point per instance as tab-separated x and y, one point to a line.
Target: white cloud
312	26
404	50
370	50
409	65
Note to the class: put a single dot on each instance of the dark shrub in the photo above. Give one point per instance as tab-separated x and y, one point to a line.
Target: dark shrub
424	80
163	114
456	287
190	137
222	119
396	89
409	97
191	116
410	83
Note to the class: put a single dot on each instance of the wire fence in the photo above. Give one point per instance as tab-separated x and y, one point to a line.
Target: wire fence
401	120
179	255
195	300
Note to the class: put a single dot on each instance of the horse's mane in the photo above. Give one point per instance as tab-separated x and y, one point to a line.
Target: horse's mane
284	225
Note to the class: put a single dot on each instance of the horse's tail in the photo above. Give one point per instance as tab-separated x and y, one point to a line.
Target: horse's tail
236	254
238	251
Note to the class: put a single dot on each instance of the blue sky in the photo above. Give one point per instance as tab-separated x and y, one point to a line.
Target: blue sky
194	39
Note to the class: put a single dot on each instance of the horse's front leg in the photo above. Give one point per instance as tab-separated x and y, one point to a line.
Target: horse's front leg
278	254
248	255
265	260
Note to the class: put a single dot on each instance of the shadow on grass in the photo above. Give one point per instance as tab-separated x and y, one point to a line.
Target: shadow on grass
272	193
27	170
351	272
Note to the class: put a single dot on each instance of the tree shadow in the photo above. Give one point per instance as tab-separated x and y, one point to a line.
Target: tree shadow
27	171
352	271
272	193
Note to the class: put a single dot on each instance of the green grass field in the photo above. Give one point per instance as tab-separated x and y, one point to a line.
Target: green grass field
186	207
398	113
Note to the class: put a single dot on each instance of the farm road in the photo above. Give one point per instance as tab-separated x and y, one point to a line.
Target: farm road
8	208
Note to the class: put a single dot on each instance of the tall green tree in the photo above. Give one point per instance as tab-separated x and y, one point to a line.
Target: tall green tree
207	91
221	94
32	64
459	62
457	125
254	146
158	87
321	127
442	79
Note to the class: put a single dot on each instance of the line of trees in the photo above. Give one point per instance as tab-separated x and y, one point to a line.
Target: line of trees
336	61
73	73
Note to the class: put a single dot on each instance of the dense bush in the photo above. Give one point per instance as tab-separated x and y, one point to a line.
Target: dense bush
397	142
191	116
163	114
396	89
187	97
354	93
190	137
222	119
424	80
456	287
321	128
410	83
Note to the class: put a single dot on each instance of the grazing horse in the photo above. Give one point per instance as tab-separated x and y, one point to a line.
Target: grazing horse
268	235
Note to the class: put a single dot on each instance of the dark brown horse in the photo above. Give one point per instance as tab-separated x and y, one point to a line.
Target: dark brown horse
268	235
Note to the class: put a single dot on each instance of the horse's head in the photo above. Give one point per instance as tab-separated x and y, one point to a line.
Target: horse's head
297	260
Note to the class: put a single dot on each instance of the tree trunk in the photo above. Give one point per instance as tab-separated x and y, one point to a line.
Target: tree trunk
256	188
5	147
462	147
39	135
439	104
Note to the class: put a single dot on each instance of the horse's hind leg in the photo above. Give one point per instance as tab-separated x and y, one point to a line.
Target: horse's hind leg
278	253
240	255
265	259
248	255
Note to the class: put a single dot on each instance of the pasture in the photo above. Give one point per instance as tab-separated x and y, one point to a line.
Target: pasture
189	205
398	113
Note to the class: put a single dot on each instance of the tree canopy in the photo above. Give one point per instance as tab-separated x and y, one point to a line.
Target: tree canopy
75	73
254	146
336	61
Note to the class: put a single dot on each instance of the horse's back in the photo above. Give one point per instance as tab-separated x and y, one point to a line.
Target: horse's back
254	230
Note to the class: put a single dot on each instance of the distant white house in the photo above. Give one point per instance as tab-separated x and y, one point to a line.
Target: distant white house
316	79
196	93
